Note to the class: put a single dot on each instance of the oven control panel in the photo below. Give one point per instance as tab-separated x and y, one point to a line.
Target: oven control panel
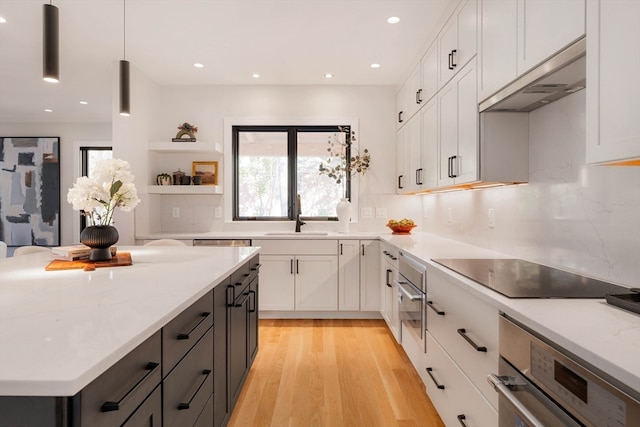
568	384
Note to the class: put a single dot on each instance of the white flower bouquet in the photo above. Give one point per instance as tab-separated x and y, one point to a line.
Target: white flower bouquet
110	186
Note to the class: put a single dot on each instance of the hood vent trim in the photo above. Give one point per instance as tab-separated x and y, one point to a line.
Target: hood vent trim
557	77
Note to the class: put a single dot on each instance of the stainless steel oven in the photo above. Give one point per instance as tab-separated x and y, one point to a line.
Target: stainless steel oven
540	384
411	297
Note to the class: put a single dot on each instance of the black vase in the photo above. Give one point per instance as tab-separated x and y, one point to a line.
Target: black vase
99	238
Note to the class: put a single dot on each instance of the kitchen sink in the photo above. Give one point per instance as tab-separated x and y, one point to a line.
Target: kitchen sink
293	233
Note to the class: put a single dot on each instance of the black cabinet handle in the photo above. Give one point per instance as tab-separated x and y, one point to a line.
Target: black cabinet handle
419	96
114	406
202	317
439	386
463	333
252	293
291	265
233	295
240	303
386	253
454	174
400	117
297	266
461	419
453	55
256	267
400	181
450	59
183	405
389	278
362	249
432	307
340	248
419	176
449	161
245	280
394	258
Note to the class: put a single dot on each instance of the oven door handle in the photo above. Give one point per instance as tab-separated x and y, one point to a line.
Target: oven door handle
412	296
501	386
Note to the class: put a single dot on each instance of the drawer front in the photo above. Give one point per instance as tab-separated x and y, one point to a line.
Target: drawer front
149	414
468	329
188	387
112	397
183	332
297	247
390	254
241	277
453	394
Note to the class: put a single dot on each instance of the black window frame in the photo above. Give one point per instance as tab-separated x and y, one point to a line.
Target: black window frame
292	169
84	170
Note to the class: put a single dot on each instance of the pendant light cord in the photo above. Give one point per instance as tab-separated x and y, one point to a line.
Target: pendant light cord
124	29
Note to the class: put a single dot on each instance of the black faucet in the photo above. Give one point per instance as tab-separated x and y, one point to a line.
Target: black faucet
299	223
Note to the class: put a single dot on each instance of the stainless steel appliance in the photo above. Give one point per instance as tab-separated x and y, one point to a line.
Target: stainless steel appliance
517	278
221	242
411	297
540	384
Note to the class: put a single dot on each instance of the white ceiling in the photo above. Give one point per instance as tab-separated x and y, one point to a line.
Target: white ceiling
288	42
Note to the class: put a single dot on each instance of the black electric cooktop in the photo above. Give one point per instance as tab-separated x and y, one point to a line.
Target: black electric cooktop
516	278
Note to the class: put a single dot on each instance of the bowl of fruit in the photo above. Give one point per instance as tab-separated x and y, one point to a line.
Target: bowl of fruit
404	226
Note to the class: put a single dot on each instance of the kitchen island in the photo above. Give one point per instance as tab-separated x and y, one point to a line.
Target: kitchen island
62	330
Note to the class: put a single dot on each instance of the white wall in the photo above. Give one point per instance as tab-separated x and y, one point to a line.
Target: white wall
207	106
583	218
70	135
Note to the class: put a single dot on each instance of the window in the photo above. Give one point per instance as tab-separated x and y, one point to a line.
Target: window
89	156
272	165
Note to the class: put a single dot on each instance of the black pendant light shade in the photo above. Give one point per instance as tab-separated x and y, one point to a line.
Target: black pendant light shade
50	69
125	101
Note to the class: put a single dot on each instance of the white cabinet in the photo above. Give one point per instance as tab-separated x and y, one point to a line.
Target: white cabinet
407	99
428	174
545	27
358	275
388	291
458	127
298	275
409	156
457	41
429	69
613	78
401	174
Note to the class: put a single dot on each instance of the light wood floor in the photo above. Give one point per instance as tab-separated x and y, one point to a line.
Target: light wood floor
332	373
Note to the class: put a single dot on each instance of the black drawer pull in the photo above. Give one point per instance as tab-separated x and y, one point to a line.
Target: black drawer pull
440	386
203	317
256	267
432	307
245	280
183	405
114	406
388	278
461	419
252	310
243	300
463	332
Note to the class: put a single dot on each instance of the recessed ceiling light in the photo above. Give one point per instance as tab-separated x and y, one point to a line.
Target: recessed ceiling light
255	75
375	65
48	110
393	20
83	102
198	65
2	20
328	75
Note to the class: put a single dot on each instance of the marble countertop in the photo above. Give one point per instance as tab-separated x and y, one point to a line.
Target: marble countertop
604	336
273	234
59	330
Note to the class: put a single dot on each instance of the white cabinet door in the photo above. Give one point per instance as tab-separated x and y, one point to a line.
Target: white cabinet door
348	275
413	155
316	285
497	45
429	69
613	76
401	176
429	164
407	98
458	125
277	282
457	41
369	275
545	27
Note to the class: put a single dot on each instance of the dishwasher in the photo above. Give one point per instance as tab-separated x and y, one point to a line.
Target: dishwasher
221	242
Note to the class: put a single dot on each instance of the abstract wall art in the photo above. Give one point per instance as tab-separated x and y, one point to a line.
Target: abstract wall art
30	191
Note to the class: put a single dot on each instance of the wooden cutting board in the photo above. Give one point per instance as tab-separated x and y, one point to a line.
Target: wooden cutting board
121	259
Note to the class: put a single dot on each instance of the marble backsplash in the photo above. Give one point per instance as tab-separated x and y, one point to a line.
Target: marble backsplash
570	215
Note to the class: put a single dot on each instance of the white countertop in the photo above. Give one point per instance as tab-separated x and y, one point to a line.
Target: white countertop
273	234
59	330
602	335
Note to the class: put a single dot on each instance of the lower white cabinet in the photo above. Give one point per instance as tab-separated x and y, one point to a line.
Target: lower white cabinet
369	275
358	275
453	395
316	282
388	290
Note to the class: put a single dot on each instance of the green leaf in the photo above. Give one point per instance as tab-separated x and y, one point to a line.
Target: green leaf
115	187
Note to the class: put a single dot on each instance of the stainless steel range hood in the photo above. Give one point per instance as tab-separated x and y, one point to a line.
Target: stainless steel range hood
559	76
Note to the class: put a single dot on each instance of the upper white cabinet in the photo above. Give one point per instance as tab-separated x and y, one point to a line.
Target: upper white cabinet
458	126
429	69
407	100
613	82
457	41
545	27
514	37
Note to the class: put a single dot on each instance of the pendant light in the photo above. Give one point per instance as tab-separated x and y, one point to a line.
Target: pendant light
50	36
125	98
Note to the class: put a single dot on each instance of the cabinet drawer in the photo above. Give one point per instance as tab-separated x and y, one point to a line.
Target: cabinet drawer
452	393
188	387
112	397
468	329
183	332
297	247
149	413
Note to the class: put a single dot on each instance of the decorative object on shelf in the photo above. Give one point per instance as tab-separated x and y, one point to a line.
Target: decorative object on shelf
164	179
186	129
30	191
97	198
177	177
343	210
208	171
404	226
197	179
185	180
